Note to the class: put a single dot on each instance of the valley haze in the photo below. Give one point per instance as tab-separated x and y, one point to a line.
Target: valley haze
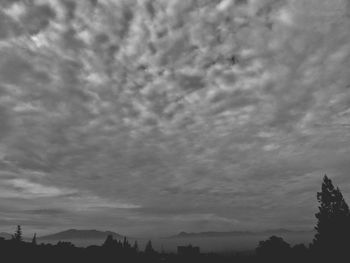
207	241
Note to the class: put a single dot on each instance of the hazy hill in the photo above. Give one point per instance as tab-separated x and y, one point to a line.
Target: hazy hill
5	235
211	234
210	241
73	234
236	233
233	240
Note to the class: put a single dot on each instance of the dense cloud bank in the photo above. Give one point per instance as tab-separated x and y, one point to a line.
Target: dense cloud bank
190	114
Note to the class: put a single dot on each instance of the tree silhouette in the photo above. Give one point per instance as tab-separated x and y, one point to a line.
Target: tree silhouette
273	249
34	239
333	226
299	252
136	247
149	248
126	244
17	236
109	242
65	244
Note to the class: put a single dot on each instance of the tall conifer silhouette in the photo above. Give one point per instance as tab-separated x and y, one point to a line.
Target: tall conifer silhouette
34	239
333	226
17	236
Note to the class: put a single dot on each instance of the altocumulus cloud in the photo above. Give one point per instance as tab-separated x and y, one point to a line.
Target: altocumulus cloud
129	114
27	188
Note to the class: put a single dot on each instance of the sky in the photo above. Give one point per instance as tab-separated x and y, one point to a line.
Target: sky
151	117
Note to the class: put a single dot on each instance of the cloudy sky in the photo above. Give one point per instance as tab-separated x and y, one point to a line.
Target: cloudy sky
156	116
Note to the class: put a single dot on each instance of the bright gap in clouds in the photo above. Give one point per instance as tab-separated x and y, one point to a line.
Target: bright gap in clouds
131	115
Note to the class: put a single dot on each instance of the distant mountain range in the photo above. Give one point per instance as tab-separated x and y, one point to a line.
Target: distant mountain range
236	233
80	234
75	234
207	241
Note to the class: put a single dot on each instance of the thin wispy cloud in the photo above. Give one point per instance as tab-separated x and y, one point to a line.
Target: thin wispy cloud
24	188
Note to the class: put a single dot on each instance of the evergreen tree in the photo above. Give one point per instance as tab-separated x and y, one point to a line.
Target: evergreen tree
149	248
34	240
136	247
333	226
109	242
18	234
126	244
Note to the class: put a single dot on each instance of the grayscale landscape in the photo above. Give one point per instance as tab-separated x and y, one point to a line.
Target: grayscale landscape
175	130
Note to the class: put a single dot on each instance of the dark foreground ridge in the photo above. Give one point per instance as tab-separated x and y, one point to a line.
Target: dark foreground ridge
331	243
